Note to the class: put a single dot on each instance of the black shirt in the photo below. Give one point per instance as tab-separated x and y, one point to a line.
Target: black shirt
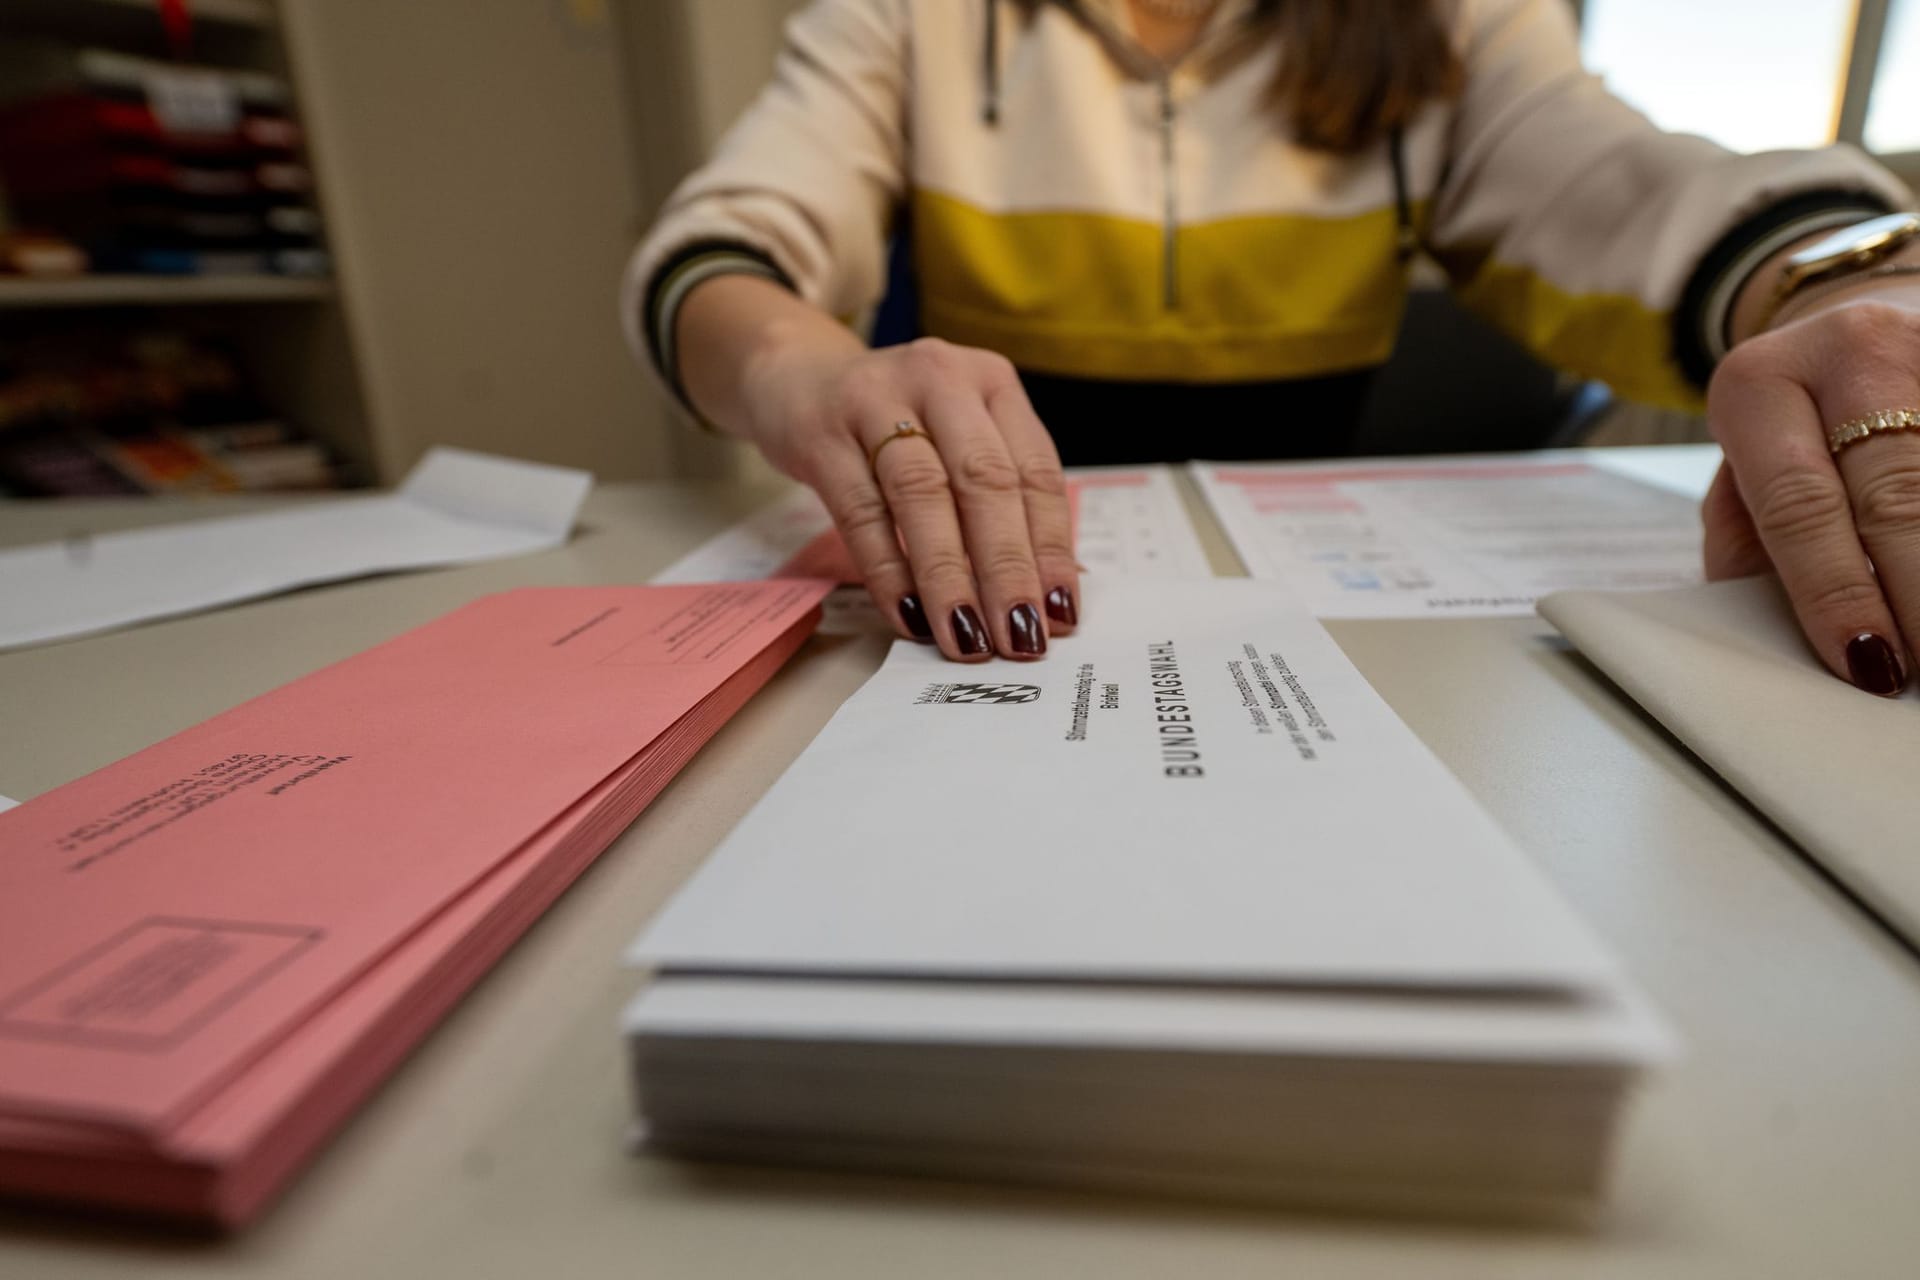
1096	421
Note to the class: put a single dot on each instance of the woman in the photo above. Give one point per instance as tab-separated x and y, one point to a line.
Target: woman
1193	217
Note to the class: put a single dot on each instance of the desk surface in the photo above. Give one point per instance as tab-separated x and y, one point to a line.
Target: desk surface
1787	1143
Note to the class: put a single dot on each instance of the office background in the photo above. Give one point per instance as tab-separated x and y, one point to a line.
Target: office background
482	168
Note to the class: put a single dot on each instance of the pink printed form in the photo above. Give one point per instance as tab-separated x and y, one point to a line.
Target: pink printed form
166	918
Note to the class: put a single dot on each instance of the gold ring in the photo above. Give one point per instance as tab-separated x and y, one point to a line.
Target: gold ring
902	430
1873	424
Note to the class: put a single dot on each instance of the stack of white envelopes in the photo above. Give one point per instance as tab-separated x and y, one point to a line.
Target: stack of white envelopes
1183	908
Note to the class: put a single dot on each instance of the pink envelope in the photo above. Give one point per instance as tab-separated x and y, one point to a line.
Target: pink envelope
247	901
225	1160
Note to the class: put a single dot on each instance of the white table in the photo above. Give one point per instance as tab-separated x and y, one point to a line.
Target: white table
1786	1144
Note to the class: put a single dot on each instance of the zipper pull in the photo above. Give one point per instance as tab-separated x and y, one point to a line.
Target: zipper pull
1170	209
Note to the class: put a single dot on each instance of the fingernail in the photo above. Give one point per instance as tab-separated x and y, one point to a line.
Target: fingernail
969	633
1029	637
915	617
1874	666
1060	607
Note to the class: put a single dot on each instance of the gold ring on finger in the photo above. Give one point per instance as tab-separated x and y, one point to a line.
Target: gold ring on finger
905	429
1859	429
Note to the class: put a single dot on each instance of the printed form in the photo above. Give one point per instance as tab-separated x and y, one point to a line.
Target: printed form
1130	523
1452	537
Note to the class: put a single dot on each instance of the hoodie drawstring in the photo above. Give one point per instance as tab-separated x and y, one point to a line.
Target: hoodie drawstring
1407	243
990	65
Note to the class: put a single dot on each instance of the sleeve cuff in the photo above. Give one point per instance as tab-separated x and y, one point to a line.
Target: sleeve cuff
1701	321
674	279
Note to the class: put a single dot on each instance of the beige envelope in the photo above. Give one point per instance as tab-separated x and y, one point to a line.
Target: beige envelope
1724	667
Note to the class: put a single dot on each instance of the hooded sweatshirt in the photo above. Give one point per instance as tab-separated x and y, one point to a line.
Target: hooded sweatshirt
1092	213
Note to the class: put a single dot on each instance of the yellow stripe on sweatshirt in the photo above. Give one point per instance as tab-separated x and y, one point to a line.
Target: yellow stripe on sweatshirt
1084	294
1613	337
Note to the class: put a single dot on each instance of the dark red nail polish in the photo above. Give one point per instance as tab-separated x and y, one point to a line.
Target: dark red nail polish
1874	666
915	618
1060	607
969	633
1023	625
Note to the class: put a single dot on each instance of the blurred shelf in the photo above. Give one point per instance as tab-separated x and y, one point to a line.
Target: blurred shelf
140	291
257	14
238	13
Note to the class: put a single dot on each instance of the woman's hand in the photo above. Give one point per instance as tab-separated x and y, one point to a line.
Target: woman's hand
960	525
1842	530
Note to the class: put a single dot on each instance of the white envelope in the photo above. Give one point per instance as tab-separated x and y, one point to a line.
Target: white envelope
1609	1028
455	507
1725	668
1196	788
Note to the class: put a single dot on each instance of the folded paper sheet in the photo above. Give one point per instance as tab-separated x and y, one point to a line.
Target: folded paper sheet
1725	669
455	507
212	948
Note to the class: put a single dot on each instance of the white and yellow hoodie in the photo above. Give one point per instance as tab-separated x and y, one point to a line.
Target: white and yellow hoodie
1088	212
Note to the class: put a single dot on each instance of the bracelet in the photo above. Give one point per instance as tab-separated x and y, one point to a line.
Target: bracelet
1720	302
1786	306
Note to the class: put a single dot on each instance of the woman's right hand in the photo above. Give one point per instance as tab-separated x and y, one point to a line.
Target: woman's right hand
961	527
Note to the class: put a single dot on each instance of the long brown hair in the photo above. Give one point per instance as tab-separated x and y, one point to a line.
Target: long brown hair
1353	71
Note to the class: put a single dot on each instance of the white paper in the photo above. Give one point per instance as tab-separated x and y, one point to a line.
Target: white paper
1726	668
1195	786
1682	468
6	804
1132	523
1454	537
455	507
192	101
756	546
1598	1027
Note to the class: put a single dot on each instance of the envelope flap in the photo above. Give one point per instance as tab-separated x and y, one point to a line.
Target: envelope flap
1197	786
1726	669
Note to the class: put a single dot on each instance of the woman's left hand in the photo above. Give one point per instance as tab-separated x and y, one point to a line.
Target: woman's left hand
1841	529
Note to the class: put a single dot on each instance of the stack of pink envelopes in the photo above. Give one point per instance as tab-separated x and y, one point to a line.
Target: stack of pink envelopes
211	951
